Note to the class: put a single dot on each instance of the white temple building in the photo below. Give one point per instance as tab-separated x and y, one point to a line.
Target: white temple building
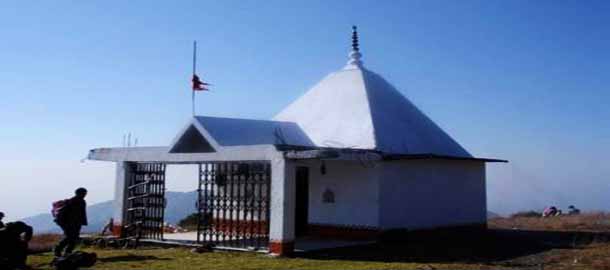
352	157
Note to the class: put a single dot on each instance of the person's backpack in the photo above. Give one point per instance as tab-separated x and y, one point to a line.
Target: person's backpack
75	261
58	209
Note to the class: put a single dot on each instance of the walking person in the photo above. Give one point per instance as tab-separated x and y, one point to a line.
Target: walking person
71	216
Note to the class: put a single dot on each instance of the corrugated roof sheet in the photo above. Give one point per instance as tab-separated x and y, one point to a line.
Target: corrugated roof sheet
234	131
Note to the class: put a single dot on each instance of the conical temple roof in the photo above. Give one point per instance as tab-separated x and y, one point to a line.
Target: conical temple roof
356	108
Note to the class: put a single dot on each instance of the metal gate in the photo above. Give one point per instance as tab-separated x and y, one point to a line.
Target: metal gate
145	201
233	204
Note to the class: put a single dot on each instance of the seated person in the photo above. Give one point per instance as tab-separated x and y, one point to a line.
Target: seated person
14	238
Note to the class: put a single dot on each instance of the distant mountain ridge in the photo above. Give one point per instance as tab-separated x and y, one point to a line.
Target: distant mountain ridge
179	205
491	215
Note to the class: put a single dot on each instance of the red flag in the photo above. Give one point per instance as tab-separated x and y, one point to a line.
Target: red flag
198	85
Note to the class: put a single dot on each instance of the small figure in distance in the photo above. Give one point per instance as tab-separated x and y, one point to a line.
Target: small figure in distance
550	211
573	210
108	227
559	213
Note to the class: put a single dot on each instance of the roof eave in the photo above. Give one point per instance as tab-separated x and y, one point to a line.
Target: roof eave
435	156
307	152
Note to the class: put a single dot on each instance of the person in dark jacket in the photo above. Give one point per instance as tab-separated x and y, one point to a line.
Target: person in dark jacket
71	219
14	238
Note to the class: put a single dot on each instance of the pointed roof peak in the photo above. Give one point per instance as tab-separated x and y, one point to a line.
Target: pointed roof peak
357	108
354	61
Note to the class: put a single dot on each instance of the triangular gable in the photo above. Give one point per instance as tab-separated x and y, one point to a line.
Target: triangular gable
210	134
229	132
193	139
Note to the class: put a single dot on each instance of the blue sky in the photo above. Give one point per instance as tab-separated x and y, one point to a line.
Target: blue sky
520	80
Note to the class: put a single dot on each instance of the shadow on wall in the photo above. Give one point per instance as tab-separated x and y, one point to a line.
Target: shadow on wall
488	246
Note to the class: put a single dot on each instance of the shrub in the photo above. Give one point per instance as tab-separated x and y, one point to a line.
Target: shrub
526	214
189	222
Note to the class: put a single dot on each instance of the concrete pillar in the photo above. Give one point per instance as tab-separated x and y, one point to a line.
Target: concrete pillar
283	191
122	176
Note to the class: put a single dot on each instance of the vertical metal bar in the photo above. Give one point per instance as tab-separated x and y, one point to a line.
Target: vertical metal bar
214	203
244	209
163	167
155	199
268	200
230	183
229	191
158	222
148	201
219	195
151	228
223	201
207	202
252	209
238	207
211	202
259	210
199	205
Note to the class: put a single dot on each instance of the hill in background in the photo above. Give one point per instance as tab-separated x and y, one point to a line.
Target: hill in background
179	205
491	215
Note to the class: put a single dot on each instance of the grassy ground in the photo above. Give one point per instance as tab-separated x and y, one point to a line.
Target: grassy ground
581	242
43	242
589	222
178	258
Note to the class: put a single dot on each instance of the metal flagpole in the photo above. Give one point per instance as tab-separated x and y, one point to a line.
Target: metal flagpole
194	68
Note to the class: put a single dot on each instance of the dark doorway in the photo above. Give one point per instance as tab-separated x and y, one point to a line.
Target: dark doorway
302	201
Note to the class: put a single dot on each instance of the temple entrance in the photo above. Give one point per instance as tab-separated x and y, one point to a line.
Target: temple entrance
302	201
233	204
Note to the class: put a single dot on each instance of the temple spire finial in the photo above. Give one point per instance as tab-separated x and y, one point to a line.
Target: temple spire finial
355	38
354	55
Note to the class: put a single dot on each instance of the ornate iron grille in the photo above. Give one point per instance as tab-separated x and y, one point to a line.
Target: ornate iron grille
234	204
145	201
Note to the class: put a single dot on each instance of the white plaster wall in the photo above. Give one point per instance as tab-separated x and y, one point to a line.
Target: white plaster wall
356	192
120	191
282	200
419	194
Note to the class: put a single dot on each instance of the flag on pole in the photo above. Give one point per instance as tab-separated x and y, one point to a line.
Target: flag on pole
199	85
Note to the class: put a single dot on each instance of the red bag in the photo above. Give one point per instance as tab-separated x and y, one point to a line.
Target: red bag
58	208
